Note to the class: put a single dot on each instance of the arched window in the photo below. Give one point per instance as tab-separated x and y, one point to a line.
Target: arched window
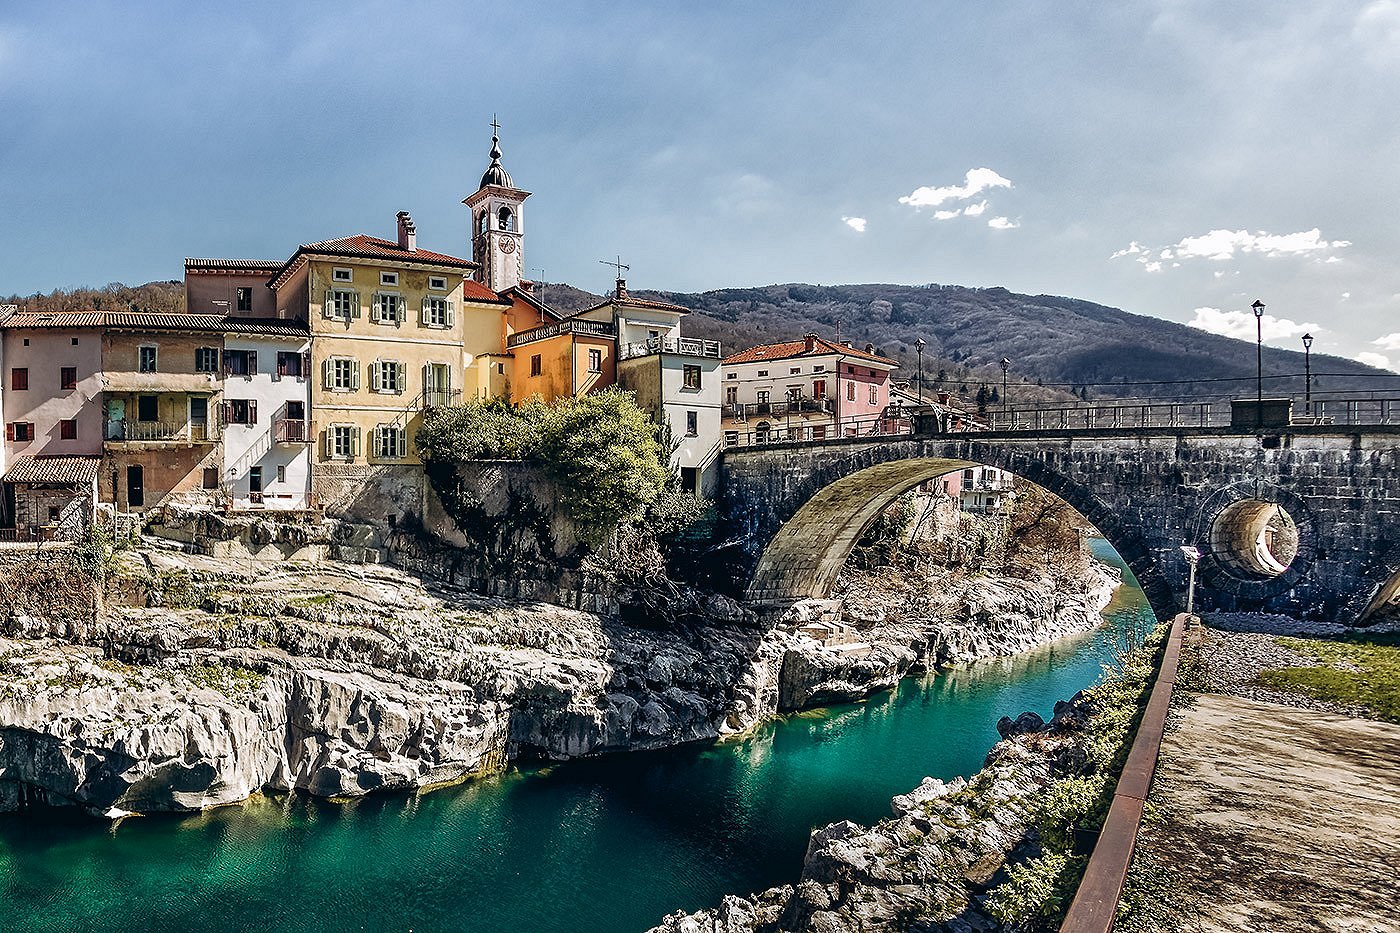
481	221
505	219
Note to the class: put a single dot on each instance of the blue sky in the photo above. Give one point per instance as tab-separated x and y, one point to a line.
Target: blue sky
1170	157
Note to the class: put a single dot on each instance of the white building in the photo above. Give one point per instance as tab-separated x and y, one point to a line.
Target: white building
675	377
266	410
984	489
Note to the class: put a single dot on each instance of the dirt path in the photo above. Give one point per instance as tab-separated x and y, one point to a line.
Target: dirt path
1281	819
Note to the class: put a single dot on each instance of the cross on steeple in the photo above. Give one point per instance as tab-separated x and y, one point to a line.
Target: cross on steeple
495	126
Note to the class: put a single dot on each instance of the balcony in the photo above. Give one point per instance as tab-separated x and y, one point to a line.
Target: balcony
797	406
293	431
441	398
126	431
571	326
681	346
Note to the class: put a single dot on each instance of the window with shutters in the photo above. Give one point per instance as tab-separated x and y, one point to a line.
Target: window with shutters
241	363
595	360
342	374
819	388
342	441
19	378
68	429
692	423
390	442
850	391
874	395
731	395
342	304
290	364
68	377
437	312
206	359
535	365
19	431
211	478
388	377
240	411
146	359
387	308
243	298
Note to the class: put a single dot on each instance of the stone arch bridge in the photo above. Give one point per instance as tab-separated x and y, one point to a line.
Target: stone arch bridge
800	507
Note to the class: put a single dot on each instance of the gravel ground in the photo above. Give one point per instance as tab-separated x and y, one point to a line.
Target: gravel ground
1230	660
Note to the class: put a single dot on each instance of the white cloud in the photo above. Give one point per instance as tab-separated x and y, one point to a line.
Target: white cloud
946	215
1377	31
1003	223
974	183
1241	324
1388	342
1224	245
855	223
1346	295
975	210
1375	359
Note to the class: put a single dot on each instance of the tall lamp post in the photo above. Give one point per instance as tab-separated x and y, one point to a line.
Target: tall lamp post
1005	365
1307	373
1258	307
1193	557
919	349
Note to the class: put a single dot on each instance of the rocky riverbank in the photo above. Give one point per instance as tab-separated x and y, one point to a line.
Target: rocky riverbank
202	680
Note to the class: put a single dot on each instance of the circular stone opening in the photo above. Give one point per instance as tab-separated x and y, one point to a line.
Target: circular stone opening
1254	539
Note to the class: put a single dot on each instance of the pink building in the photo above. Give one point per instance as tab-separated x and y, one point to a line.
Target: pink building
808	389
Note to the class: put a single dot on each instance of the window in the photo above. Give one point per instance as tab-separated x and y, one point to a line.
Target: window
147	408
390	442
211	477
281	472
68	429
387	308
692	424
291	364
506	219
595	360
731	375
68	377
763	396
690	479
19	431
437	283
874	395
818	388
240	411
342	275
795	370
794	393
342	441
850	391
763	372
199	409
387	376
255	480
206	359
241	363
818	432
296	411
535	365
690	377
146	359
19	379
437	312
850	369
731	395
243	298
342	304
819	368
391	279
731	438
967	476
342	374
75	341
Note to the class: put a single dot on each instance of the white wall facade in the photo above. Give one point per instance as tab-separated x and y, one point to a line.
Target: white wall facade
285	466
698	451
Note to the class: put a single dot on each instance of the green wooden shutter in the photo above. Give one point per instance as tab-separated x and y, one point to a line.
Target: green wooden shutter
355	441
355	375
354	304
403	443
326	373
451	313
375	379
401	371
328	305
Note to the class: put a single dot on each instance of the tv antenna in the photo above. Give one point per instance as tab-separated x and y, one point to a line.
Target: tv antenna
617	264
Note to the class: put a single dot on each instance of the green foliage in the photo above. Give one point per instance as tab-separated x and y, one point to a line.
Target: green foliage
601	451
1356	674
1036	891
1079	802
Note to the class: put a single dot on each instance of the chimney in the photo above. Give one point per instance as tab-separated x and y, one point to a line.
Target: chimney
408	236
810	341
621	289
870	348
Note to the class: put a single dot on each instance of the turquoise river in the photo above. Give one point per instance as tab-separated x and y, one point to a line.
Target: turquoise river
608	844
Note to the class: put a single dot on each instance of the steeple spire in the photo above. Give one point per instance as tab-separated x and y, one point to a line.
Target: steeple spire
495	172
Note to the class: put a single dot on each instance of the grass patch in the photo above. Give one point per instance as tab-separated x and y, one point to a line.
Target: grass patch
230	681
1359	672
306	602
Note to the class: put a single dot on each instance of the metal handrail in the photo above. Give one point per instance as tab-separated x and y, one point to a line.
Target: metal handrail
128	430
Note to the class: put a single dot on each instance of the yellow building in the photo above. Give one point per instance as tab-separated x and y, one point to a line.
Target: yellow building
393	328
554	357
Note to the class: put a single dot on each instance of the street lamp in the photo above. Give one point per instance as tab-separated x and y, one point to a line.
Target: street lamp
1307	373
919	349
1005	364
1258	307
1193	557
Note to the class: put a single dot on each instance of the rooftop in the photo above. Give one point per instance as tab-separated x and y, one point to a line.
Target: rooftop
153	320
813	346
28	469
250	266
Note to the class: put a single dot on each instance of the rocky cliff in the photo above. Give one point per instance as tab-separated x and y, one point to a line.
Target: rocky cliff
204	680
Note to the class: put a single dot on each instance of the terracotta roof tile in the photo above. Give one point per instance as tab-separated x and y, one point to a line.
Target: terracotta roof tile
233	265
153	320
794	348
53	470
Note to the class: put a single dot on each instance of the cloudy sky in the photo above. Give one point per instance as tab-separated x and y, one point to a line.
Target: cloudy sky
1172	158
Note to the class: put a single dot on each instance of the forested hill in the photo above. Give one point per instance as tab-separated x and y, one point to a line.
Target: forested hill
1065	342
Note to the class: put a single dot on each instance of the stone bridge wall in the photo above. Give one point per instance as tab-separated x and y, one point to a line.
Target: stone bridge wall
801	508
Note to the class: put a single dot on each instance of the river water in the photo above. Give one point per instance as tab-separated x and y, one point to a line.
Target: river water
609	844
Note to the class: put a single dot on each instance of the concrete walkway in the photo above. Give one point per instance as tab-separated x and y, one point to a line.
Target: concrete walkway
1281	819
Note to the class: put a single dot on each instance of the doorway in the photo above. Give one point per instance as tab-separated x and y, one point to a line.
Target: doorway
135	486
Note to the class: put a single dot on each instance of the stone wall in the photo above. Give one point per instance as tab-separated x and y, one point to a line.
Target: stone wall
801	508
52	581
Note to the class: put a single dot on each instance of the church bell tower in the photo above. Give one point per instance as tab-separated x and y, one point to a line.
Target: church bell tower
498	223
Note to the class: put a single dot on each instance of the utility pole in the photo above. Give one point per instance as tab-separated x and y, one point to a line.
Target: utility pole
1258	308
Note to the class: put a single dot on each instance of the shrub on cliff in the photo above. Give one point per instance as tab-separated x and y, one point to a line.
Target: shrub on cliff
601	451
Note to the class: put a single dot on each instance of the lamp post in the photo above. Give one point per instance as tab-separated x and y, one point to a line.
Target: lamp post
919	349
1005	365
1307	373
1258	307
1193	556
